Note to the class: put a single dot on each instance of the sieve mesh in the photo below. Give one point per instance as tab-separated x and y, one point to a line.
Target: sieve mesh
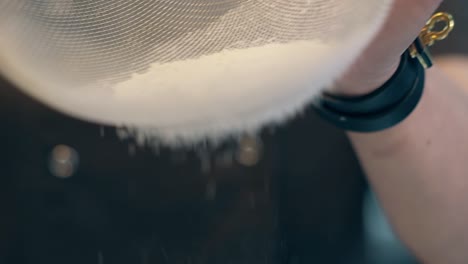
52	46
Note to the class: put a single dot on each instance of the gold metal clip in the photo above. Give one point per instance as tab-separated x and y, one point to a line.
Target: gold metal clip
428	36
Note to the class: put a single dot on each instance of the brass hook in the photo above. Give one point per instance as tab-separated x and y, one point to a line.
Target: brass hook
429	37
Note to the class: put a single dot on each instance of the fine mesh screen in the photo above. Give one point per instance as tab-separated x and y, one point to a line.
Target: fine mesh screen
182	69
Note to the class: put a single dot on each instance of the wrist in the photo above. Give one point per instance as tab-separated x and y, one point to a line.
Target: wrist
358	81
382	108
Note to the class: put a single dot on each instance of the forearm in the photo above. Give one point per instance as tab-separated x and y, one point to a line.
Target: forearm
419	170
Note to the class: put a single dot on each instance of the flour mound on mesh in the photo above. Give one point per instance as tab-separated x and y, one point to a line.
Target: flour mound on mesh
224	94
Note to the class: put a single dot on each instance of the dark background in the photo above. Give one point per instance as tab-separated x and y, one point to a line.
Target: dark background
301	203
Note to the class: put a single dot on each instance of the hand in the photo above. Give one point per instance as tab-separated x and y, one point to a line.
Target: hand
380	60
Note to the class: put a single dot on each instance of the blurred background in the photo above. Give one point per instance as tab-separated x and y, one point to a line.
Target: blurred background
73	192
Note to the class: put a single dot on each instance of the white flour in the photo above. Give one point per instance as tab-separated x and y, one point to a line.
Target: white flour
210	97
224	93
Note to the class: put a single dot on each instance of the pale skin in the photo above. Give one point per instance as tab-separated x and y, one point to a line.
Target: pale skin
419	168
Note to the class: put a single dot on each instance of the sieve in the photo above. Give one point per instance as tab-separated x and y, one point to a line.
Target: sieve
182	70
